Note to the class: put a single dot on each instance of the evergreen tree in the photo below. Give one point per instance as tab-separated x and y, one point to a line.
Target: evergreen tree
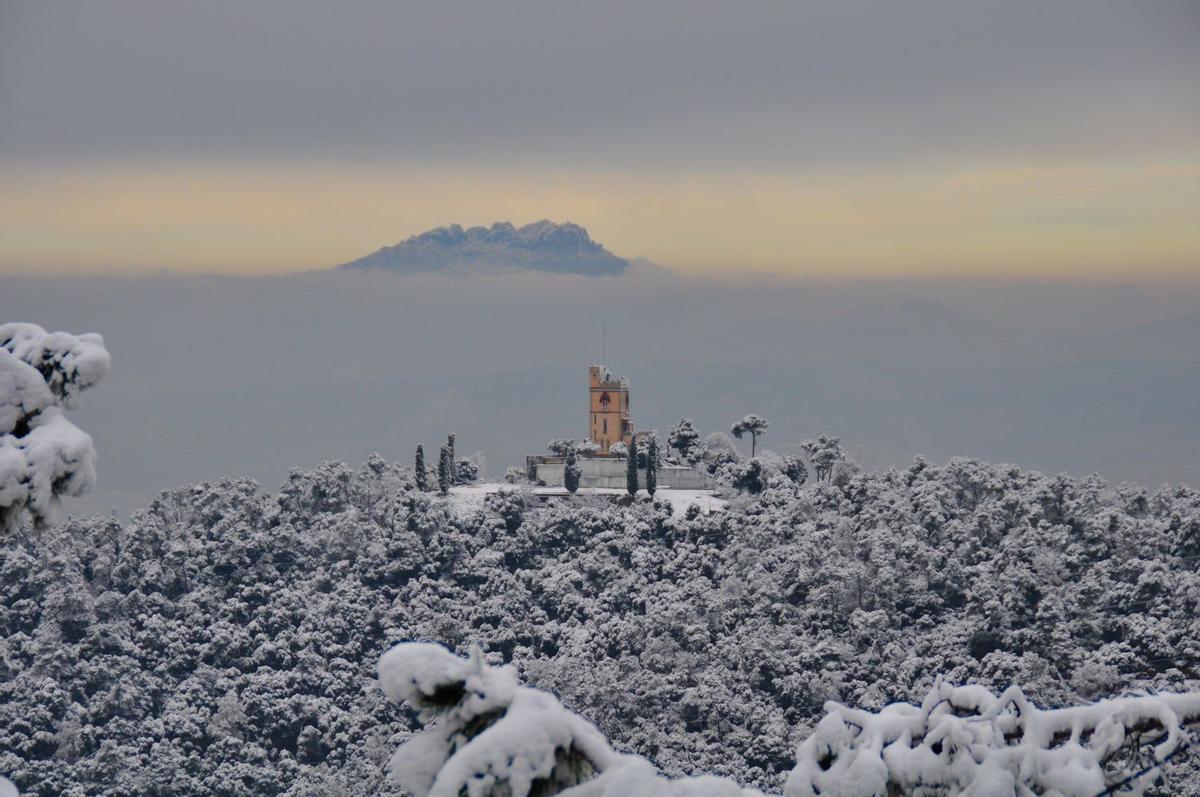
466	472
571	472
793	468
631	468
748	477
559	447
652	467
683	437
453	461
753	425
643	450
444	469
43	456
419	466
824	453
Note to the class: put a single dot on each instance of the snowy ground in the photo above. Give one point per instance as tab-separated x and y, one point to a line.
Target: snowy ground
470	497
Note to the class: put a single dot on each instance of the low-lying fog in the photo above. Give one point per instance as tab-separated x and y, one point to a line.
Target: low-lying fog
247	376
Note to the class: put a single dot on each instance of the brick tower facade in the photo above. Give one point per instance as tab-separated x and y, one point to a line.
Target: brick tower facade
608	409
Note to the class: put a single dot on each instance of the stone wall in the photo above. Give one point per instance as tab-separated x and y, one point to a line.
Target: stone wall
610	473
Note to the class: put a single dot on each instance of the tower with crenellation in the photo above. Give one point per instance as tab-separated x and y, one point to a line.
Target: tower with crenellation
609	421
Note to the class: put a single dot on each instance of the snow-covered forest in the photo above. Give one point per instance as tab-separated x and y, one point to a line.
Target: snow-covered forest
225	639
429	523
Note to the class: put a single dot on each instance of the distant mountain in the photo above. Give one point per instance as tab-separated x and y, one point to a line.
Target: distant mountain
542	246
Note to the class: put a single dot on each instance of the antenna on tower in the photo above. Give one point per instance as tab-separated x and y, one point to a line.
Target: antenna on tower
604	343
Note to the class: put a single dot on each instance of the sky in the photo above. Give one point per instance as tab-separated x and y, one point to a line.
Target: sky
875	139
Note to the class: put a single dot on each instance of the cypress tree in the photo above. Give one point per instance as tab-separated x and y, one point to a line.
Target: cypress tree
453	461
652	467
571	472
444	470
419	466
631	469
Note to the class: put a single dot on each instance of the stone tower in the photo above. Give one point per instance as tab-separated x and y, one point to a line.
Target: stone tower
608	409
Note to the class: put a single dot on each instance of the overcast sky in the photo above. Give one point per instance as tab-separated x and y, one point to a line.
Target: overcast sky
882	137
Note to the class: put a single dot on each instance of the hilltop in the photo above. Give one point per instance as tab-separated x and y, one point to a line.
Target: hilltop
230	635
541	246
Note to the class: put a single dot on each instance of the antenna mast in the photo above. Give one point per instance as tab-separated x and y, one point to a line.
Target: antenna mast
604	343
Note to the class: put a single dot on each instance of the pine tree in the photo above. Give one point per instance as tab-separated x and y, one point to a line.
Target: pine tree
419	466
571	472
444	470
754	425
631	469
824	453
453	461
652	467
793	468
683	437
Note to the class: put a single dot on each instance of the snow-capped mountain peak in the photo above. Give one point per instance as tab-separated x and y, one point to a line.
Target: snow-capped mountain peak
564	248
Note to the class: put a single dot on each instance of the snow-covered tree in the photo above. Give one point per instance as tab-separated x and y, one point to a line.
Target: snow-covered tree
466	472
571	472
419	473
453	458
228	719
445	469
43	456
753	425
824	453
652	466
494	737
967	741
631	468
560	446
618	450
717	450
515	475
683	437
646	441
793	468
747	476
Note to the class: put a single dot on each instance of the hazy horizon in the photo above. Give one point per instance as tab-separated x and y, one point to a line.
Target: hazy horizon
246	376
860	139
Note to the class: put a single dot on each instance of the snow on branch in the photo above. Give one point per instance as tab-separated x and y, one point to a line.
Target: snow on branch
68	363
494	737
43	456
966	741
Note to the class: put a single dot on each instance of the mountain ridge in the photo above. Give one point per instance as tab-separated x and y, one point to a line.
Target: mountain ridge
563	248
